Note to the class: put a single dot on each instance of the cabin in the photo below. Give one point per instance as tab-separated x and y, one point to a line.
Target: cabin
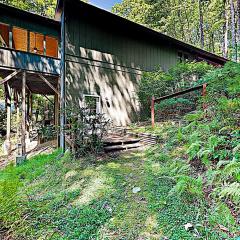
85	55
105	56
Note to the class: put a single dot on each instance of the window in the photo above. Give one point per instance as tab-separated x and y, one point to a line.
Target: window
20	39
180	58
36	43
183	57
25	40
4	35
51	47
92	103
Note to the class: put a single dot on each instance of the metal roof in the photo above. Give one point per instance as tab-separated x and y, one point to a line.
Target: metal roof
163	37
90	8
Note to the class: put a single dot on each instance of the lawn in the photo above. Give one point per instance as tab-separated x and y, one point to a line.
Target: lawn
131	195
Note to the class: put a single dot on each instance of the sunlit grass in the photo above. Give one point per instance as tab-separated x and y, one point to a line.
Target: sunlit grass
92	198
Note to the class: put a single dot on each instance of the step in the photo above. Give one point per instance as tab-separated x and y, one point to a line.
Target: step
122	147
120	141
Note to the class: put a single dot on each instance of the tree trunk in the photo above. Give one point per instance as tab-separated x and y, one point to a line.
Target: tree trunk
225	30
233	30
201	23
238	20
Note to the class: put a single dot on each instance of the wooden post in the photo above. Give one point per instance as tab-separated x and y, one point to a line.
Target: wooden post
62	82
23	140
56	114
27	117
17	112
204	93
7	145
152	112
30	106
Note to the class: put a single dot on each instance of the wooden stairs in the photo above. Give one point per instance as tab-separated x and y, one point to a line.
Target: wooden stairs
125	139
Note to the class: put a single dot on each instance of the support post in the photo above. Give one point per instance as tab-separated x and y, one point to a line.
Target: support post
204	93
7	144
152	112
16	101
23	140
27	117
62	82
56	115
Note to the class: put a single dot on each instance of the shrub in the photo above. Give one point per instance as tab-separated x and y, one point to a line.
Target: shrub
85	130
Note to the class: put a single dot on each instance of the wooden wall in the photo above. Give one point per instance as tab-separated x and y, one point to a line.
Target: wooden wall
12	59
107	58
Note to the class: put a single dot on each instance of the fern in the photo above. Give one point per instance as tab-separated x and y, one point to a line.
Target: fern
188	185
232	170
193	150
231	191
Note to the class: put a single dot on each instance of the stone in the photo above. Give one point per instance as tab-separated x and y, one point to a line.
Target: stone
136	189
189	227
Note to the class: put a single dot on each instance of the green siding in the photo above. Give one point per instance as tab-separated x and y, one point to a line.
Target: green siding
109	61
125	50
119	87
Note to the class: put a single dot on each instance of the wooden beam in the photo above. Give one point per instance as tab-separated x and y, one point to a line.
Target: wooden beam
48	98
8	102
56	110
179	93
9	77
23	114
152	112
16	103
48	83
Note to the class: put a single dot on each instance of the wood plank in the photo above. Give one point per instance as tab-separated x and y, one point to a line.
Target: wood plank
48	83
179	93
10	76
8	106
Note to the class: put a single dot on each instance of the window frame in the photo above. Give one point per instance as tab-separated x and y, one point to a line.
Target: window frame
10	41
9	35
98	105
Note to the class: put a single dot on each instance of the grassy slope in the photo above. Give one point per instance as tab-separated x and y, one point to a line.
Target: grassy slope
50	198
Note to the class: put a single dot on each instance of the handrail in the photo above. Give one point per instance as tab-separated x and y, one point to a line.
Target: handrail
157	100
179	93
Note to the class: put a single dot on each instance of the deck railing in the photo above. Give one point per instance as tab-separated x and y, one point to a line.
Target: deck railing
14	59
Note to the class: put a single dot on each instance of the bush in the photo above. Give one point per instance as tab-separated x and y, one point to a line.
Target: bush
85	130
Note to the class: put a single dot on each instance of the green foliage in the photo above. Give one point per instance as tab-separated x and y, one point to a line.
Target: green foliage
86	130
209	141
42	7
188	185
179	77
231	191
181	19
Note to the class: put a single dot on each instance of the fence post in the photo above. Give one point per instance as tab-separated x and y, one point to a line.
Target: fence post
204	93
152	111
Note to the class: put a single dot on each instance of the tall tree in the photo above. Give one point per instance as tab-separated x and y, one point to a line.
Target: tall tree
225	29
233	30
238	21
200	2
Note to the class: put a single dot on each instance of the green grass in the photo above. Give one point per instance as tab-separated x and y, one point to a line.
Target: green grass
91	198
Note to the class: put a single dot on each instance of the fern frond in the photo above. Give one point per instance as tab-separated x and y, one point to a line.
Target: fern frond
231	170
232	191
